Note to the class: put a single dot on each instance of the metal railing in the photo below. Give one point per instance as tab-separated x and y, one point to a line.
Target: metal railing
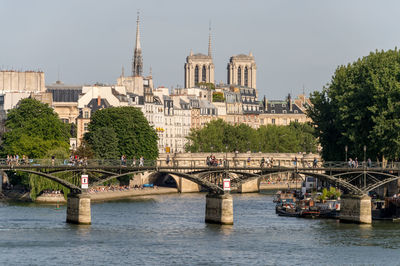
172	163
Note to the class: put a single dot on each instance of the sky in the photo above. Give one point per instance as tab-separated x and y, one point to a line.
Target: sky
297	44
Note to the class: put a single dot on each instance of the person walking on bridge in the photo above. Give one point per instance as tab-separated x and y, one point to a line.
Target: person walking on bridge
262	162
141	161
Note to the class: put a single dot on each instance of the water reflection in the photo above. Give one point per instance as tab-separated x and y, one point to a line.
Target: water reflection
224	230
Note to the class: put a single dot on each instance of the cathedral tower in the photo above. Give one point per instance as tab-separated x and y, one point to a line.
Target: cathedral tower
137	62
242	71
199	67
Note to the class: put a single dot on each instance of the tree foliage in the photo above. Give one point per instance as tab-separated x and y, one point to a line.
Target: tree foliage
360	106
33	129
219	136
134	134
207	85
218	97
104	142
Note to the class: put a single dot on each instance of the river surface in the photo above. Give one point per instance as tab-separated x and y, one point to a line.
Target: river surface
170	229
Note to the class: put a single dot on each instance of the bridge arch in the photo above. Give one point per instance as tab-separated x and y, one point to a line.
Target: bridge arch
382	182
331	179
72	187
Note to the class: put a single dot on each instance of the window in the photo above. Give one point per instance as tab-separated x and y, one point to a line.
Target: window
273	121
239	76
272	105
246	77
86	114
203	74
295	111
296	120
85	127
284	111
272	111
196	75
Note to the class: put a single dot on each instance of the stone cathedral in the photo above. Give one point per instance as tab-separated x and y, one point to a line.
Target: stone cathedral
199	68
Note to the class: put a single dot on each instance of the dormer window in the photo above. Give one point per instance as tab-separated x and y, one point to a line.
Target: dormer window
284	111
272	111
283	104
295	111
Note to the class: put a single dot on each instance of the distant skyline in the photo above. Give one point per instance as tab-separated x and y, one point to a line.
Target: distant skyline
296	44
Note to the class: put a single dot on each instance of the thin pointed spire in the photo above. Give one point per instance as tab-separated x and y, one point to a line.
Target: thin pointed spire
137	64
209	39
137	45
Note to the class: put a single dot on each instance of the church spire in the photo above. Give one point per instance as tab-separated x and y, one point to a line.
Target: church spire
209	39
137	64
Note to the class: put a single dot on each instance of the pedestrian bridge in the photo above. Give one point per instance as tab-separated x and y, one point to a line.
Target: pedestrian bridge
245	176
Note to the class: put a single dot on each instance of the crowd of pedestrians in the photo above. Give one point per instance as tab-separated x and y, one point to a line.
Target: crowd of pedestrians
16	160
117	188
51	193
134	161
355	164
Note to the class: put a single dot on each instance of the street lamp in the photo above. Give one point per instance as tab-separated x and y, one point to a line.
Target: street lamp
365	173
226	156
365	150
345	149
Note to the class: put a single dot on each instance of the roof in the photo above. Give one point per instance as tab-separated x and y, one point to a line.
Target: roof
93	106
278	107
65	93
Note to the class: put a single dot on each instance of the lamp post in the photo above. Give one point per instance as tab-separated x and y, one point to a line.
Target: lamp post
226	156
365	172
345	149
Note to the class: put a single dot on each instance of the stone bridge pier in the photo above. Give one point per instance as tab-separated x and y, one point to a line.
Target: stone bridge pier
219	208
78	208
355	209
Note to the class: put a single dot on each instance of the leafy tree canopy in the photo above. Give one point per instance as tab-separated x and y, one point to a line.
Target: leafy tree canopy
219	136
218	97
33	129
360	106
207	85
104	142
134	134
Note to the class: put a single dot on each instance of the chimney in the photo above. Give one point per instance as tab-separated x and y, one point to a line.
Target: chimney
290	103
98	100
265	103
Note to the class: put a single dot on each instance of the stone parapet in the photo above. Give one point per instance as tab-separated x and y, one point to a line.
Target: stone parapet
219	208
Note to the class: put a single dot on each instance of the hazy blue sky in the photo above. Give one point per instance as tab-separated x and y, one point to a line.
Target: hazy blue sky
295	43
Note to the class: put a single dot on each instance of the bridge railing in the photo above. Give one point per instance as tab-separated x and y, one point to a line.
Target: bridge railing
370	165
194	163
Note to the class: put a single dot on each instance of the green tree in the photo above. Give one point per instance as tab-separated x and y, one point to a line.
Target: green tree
218	97
135	136
33	128
207	85
360	106
104	143
219	136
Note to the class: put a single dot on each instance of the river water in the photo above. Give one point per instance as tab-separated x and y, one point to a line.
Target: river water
170	229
